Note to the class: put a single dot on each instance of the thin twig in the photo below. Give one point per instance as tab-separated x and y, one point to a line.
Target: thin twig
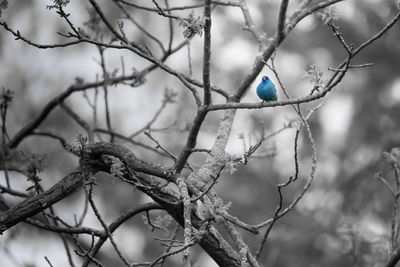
13	192
18	36
31	126
106	228
340	37
140	27
147	126
169	246
167	254
250	25
106	77
168	9
353	67
158	145
129	140
307	184
78	119
162	13
274	219
116	224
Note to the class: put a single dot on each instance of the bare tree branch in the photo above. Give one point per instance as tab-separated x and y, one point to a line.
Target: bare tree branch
281	21
27	129
207	52
37	203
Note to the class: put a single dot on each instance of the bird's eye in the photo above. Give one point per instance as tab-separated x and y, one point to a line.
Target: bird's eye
264	79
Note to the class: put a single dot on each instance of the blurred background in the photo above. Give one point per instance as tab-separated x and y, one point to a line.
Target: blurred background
343	220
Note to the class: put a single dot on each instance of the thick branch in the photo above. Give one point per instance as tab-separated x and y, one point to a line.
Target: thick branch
191	140
217	158
394	258
207	53
35	204
96	150
187	232
281	21
211	241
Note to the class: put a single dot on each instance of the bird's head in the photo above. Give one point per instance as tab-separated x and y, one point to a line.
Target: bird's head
265	78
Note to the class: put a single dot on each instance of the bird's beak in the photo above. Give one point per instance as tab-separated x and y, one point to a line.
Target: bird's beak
264	79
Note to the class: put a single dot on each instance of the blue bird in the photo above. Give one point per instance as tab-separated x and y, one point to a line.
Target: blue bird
266	90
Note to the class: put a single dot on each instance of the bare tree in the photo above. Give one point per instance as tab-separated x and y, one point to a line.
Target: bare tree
182	190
